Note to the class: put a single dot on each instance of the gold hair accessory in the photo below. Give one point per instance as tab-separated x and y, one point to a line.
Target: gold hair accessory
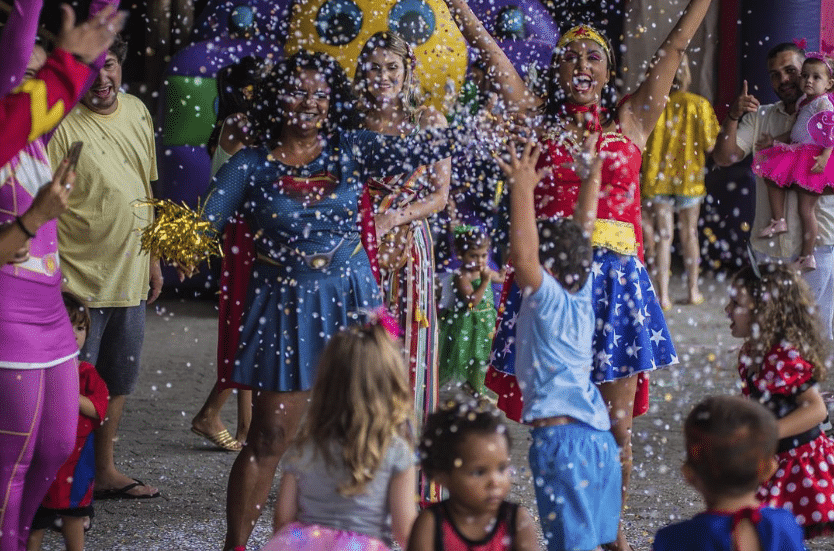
583	32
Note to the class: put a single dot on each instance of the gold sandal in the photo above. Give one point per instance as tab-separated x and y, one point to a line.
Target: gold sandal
220	439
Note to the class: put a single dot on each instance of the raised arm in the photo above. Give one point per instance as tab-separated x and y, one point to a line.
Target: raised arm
640	111
17	41
96	6
522	179
503	77
727	151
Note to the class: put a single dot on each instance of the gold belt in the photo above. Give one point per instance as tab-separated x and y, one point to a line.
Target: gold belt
615	235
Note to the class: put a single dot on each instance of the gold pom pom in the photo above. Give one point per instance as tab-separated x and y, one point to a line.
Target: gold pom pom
179	235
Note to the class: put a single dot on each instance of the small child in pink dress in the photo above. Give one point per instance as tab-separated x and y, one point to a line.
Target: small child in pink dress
804	162
69	502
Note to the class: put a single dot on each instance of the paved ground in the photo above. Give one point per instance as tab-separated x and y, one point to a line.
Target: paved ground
178	367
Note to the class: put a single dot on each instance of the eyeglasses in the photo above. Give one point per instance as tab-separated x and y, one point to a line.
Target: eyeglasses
301	95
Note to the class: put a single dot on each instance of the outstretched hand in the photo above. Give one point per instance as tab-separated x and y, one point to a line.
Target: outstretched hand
89	39
744	103
520	169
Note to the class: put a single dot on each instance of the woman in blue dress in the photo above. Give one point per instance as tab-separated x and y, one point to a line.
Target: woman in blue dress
300	193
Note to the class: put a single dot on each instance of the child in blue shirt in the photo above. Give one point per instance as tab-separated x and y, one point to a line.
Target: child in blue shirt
574	458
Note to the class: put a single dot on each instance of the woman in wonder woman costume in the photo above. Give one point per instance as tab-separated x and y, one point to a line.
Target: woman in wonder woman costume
631	336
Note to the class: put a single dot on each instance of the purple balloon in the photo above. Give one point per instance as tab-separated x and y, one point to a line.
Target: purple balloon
269	17
499	18
524	29
205	58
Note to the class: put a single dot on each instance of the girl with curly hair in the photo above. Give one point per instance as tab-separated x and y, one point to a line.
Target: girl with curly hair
780	363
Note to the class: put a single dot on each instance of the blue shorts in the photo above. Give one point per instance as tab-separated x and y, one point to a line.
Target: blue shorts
114	344
578	481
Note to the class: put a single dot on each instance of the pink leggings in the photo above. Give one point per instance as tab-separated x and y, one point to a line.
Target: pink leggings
38	421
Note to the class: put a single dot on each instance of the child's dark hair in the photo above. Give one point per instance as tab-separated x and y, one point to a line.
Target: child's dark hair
728	442
78	312
470	237
447	427
785	311
565	251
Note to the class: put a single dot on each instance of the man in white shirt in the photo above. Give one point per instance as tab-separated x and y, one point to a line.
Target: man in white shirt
740	134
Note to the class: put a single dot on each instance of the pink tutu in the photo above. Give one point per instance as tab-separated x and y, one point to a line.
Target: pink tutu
314	537
789	164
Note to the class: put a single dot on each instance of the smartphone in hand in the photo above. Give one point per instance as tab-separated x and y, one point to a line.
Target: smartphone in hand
74	153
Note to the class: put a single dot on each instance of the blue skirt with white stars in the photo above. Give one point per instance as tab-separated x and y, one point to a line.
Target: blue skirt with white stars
630	334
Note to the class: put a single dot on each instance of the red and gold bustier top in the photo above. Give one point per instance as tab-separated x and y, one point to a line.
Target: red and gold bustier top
618	224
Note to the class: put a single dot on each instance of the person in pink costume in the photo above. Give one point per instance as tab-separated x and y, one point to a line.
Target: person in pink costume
804	161
38	365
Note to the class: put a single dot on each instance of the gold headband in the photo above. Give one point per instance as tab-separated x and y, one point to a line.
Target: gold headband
583	32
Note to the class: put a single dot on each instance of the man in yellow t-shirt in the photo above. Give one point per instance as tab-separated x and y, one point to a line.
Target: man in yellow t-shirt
99	243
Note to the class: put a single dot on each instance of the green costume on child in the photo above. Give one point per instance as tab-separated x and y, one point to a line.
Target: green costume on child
465	340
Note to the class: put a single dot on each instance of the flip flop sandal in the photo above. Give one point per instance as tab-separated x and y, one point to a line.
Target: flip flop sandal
123	493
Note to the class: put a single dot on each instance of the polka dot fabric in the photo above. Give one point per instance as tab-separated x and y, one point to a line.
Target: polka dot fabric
804	480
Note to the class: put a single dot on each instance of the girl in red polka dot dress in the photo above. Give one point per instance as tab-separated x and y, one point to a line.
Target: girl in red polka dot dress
780	363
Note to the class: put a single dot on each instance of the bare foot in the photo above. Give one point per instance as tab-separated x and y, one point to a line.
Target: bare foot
665	304
695	297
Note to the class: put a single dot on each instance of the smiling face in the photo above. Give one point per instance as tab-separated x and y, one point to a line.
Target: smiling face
740	311
306	101
481	477
384	74
816	79
102	97
784	69
583	71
